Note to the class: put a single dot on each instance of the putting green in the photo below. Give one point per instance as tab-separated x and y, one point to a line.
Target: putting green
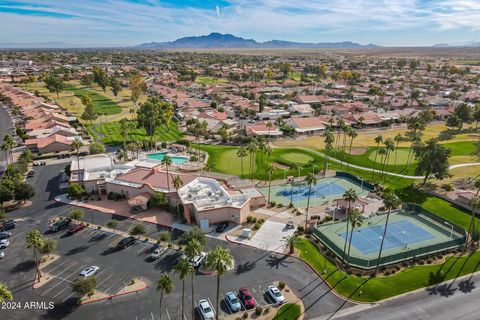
295	157
402	155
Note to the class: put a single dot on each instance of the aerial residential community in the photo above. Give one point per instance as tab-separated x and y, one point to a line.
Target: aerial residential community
173	160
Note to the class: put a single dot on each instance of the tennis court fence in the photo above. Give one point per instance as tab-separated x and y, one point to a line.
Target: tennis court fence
426	217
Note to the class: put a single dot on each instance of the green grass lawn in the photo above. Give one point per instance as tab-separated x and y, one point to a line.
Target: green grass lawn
101	103
111	133
224	159
440	207
375	289
397	158
289	311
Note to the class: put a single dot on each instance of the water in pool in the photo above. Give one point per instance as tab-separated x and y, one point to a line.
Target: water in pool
161	155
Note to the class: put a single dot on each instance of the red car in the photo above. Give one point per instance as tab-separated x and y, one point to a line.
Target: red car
247	298
75	228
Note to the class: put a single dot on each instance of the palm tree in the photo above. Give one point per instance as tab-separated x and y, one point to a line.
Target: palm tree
220	260
329	139
345	130
355	219
389	146
340	125
34	239
194	248
4	292
352	133
77	144
378	139
476	185
184	268
167	162
290	242
177	184
269	127
398	138
125	127
311	180
350	196
271	170
165	286
390	201
252	149
382	152
241	153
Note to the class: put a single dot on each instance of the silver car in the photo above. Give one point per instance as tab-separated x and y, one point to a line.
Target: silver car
4	243
233	302
206	310
90	271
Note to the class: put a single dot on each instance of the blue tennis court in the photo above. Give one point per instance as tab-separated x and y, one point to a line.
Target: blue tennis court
400	234
318	190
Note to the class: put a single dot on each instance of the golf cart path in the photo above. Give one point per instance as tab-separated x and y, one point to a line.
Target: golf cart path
386	172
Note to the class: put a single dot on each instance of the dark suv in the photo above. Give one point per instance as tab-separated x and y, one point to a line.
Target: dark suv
126	242
60	224
8	225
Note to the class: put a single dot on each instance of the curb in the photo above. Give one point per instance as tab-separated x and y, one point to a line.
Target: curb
305	263
114	296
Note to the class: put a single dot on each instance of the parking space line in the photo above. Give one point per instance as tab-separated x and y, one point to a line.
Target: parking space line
113	285
61	264
62	280
105	279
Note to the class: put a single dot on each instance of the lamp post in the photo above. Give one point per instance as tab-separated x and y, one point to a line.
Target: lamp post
451	227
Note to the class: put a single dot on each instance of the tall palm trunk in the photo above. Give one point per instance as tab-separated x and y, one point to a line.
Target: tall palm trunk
183	299
308	206
350	245
193	298
346	238
383	240
218	296
375	161
269	184
161	301
349	154
241	165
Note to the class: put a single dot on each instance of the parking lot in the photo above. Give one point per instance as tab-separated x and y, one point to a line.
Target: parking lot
66	270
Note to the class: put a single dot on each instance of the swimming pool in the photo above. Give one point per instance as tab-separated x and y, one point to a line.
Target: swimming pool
161	155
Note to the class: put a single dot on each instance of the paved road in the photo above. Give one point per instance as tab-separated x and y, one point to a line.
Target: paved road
456	299
254	268
5	128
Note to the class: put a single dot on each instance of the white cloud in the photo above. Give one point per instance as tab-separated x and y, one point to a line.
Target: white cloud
112	21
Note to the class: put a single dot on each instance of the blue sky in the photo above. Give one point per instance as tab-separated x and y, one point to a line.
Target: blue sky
130	22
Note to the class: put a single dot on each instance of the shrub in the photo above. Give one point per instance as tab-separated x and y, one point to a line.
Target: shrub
261	221
254	219
245	315
272	203
257	226
249	219
281	285
300	229
267	310
258	310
